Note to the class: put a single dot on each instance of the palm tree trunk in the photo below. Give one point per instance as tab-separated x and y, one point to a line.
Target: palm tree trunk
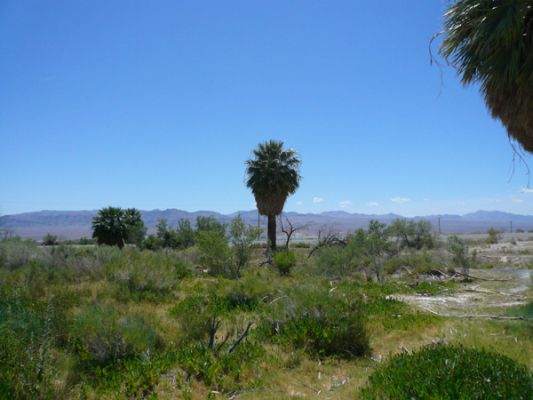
272	232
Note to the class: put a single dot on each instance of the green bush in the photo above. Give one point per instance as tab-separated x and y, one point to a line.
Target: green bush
150	276
100	334
284	261
133	378
418	261
218	369
197	314
319	322
493	236
16	253
28	330
335	261
215	254
448	372
329	332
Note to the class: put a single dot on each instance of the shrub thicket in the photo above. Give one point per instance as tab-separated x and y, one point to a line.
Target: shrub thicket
100	334
450	372
320	323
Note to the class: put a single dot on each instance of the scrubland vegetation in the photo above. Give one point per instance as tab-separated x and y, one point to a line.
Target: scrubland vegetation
196	312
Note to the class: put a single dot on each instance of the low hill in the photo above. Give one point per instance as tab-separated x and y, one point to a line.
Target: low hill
75	224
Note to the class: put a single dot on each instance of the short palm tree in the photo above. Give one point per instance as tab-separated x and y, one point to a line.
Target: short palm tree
109	227
273	174
491	42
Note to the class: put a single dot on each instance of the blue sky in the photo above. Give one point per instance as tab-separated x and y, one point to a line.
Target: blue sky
158	104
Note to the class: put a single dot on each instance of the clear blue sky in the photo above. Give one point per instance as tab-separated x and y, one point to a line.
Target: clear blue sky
158	104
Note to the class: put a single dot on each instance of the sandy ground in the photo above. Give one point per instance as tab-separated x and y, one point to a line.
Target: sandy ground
489	296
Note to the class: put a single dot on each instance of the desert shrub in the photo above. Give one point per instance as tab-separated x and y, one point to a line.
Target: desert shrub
412	234
27	334
214	254
242	237
151	242
86	241
320	323
525	310
450	372
460	257
284	261
335	261
151	276
301	245
210	224
185	234
214	251
16	253
494	236
418	261
100	334
133	378
205	354
50	240
380	307
218	369
199	314
324	333
246	294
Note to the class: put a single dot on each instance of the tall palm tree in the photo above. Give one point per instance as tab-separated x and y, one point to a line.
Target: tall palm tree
491	42
273	174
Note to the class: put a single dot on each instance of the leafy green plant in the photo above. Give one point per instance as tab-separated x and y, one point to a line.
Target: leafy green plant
494	236
218	257
215	254
27	334
220	370
449	372
412	234
284	261
150	276
242	237
100	334
421	262
210	224
320	323
135	377
460	257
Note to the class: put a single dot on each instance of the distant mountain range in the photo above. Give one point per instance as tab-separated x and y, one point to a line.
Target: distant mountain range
76	224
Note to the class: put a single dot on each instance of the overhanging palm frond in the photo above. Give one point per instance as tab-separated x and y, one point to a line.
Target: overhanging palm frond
491	42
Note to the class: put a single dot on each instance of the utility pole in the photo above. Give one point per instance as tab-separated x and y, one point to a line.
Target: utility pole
511	226
439	226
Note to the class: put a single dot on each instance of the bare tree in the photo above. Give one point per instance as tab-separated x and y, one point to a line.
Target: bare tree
328	236
289	229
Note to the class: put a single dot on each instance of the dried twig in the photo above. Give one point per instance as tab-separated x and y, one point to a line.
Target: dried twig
240	339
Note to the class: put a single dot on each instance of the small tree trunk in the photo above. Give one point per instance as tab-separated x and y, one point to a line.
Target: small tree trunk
272	232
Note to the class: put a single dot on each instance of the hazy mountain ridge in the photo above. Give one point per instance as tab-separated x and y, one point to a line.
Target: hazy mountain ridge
74	224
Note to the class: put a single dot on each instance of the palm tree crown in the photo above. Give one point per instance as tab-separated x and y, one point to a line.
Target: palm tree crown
491	42
273	174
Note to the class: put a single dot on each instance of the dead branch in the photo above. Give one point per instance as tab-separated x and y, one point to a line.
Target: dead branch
496	317
327	238
214	324
289	229
482	279
240	339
